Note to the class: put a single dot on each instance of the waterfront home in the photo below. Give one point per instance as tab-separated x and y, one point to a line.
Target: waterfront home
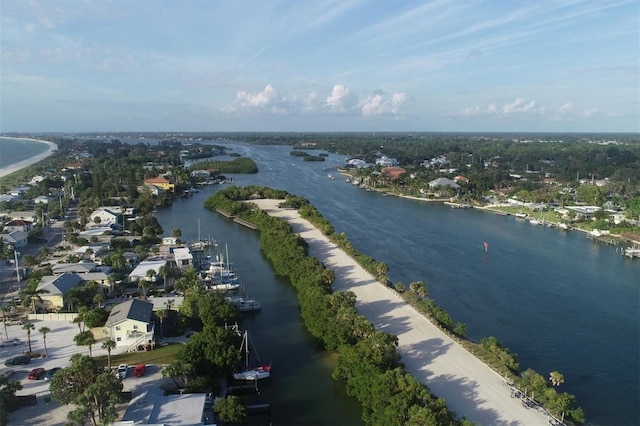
141	270
183	257
130	324
385	161
160	182
443	182
583	212
393	172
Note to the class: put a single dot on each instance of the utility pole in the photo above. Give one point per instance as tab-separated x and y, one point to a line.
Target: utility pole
15	257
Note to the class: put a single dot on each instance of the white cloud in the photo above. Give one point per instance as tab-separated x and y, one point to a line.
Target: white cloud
590	112
268	100
518	106
566	108
379	105
341	98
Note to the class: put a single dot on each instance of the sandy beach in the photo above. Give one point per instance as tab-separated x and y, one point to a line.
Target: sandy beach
29	161
471	388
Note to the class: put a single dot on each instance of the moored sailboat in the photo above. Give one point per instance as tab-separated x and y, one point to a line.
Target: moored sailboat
251	373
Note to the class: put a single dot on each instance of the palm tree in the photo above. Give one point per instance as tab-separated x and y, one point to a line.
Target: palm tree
99	298
5	311
44	331
162	314
79	319
169	304
85	338
28	326
166	271
556	378
31	294
108	345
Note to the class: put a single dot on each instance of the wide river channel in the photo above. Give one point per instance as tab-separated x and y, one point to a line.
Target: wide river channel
557	299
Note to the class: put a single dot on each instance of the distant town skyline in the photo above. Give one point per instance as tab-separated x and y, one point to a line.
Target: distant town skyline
319	66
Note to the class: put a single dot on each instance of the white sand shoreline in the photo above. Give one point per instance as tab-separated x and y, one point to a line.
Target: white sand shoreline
471	388
5	171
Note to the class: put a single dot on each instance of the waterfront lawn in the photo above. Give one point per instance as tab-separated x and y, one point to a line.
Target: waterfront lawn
161	356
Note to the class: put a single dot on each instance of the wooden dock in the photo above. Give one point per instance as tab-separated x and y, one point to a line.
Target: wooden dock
237	219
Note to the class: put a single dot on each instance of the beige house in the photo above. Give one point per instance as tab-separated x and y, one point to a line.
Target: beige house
130	324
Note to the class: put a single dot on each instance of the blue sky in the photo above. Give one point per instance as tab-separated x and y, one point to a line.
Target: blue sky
346	65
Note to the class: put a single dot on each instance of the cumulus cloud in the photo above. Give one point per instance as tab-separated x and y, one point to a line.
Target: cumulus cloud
566	108
341	98
379	105
518	106
590	112
268	100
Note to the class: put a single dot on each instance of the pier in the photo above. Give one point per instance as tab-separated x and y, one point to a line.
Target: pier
237	219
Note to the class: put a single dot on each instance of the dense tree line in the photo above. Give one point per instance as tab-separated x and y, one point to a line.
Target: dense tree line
367	360
333	319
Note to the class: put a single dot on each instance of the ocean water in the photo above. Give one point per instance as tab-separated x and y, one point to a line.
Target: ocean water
15	150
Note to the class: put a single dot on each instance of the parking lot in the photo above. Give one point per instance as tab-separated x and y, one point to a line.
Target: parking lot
60	347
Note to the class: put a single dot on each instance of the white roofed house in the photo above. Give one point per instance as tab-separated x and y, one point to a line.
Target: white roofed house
141	273
105	216
183	257
130	324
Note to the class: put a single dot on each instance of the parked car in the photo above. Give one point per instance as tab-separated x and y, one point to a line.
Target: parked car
10	342
121	372
49	374
138	371
18	360
36	373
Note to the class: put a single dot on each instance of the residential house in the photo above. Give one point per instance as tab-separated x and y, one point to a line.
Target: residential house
130	324
28	215
357	163
106	286
15	239
105	216
183	257
54	288
140	271
584	212
42	199
393	172
18	225
385	161
74	268
160	182
443	182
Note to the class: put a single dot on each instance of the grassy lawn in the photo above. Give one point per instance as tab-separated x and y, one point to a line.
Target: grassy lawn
163	355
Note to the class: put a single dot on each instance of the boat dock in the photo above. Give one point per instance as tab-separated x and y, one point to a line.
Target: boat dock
458	205
631	252
237	219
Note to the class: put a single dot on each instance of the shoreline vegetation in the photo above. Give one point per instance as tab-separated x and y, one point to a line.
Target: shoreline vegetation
550	218
321	310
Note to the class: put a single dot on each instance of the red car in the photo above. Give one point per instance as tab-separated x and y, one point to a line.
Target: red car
139	370
36	373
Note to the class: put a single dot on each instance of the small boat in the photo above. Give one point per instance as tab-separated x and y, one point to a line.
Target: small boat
330	176
251	373
244	305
